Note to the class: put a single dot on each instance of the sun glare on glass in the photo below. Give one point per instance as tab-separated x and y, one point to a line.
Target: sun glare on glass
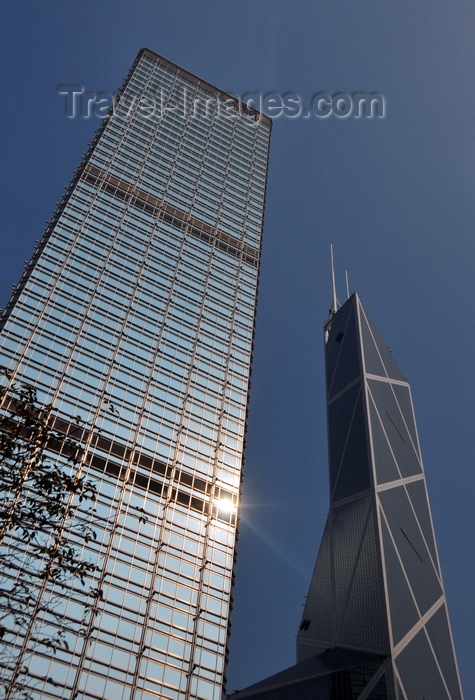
225	505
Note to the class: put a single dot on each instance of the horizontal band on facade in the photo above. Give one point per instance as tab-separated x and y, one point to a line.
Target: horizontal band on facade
171	215
74	437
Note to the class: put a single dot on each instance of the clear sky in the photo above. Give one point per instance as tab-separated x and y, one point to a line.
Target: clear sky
394	196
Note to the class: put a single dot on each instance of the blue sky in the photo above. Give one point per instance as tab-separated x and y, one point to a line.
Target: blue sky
394	196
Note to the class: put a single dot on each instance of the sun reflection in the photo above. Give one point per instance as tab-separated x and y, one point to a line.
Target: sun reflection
225	505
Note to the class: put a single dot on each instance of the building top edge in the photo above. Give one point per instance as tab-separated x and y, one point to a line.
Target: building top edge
196	78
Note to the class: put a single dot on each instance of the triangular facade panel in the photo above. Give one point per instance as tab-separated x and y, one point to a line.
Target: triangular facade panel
394	424
404	613
340	418
363	585
349	457
342	353
364	590
417	493
333	346
419	672
385	462
440	640
391	368
372	356
316	622
402	395
415	557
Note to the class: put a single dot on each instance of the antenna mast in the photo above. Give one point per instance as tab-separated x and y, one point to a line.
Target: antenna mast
335	304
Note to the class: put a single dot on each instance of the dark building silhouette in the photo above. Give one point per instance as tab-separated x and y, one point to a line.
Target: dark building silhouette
375	622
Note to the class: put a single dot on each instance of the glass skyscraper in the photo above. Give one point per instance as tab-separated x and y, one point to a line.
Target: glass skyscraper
134	321
375	624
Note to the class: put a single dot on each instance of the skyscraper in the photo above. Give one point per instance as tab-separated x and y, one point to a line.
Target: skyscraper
375	623
134	321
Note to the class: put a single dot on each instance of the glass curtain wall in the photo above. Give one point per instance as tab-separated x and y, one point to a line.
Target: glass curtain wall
134	320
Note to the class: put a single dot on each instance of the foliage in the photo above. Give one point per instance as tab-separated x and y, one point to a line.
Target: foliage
45	514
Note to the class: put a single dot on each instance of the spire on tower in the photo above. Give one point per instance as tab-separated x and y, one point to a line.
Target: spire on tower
335	305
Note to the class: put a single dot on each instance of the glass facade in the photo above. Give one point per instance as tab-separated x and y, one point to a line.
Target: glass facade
134	320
